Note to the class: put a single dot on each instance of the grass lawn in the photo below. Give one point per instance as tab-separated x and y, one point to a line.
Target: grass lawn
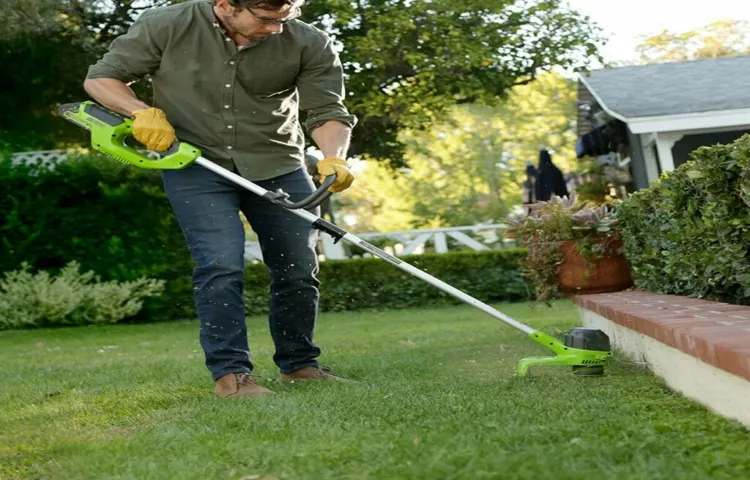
436	400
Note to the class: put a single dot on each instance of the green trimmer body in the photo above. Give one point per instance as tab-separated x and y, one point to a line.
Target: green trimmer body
585	350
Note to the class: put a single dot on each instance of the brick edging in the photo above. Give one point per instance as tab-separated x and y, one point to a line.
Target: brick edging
717	333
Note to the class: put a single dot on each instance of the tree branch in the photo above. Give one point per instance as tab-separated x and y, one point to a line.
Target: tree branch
531	78
363	24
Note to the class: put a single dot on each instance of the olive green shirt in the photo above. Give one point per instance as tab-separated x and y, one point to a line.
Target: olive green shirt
240	106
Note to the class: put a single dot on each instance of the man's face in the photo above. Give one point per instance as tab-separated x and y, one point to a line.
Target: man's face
255	24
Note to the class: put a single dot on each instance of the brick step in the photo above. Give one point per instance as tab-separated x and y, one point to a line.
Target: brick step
715	332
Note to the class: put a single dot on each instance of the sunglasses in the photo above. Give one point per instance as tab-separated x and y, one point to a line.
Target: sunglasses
278	21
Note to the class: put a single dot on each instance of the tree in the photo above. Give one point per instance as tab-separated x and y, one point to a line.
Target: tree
469	168
46	46
409	61
718	39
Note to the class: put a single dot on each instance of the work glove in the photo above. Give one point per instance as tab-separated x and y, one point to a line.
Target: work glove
152	129
339	167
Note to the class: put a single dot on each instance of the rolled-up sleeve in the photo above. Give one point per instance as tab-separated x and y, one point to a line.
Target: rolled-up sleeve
133	55
320	84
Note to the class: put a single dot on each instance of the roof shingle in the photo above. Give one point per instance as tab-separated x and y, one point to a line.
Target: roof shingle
674	88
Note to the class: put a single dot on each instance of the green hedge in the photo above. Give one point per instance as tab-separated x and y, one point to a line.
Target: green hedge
689	233
370	283
111	219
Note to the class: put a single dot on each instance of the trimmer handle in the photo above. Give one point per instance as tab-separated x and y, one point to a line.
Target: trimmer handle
315	199
109	130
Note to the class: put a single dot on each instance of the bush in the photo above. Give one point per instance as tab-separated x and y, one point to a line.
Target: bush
110	218
370	283
71	298
689	233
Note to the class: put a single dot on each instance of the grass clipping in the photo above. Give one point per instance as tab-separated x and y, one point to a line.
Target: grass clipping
70	298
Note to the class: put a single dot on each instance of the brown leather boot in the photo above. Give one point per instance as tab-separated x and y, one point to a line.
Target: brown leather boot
310	373
239	385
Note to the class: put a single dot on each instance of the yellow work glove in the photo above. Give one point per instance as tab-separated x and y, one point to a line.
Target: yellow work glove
339	167
152	129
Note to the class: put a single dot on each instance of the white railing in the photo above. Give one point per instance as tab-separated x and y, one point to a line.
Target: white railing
435	240
45	157
49	157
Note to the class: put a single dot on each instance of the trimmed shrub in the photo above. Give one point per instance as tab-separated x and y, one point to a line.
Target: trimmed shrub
371	283
689	234
71	298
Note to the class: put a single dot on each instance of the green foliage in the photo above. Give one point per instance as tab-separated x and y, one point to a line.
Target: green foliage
41	69
722	38
593	227
48	46
408	61
689	233
71	298
468	168
370	283
112	219
603	183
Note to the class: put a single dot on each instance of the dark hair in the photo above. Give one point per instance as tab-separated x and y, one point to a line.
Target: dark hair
266	4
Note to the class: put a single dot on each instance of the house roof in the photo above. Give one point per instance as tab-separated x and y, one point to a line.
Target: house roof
675	88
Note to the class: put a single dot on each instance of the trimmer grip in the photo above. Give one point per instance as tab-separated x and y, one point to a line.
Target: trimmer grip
109	130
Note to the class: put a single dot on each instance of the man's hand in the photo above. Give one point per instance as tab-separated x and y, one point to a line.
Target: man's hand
152	129
339	167
332	138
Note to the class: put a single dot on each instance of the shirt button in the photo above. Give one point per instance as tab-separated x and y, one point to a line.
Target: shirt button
228	85
229	126
231	63
229	147
227	39
226	106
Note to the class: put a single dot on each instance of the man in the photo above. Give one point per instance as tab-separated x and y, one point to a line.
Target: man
230	77
549	179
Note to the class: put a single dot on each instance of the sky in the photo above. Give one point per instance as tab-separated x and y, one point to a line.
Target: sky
624	21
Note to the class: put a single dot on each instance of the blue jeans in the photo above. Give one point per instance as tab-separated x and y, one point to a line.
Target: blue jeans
207	207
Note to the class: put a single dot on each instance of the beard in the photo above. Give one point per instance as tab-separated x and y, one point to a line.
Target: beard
235	28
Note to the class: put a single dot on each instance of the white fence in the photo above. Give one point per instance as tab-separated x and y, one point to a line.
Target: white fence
437	240
45	157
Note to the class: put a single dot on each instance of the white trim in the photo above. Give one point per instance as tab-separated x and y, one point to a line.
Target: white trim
599	100
733	128
649	160
691	121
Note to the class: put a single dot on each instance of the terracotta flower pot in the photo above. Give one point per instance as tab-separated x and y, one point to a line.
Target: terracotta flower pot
603	275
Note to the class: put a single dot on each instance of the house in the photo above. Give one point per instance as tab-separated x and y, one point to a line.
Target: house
649	118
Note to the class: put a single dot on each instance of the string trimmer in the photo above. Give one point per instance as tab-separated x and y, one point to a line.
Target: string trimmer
586	350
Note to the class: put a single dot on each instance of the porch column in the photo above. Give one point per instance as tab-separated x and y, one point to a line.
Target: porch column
664	143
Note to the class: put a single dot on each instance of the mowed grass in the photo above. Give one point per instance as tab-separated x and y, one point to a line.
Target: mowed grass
436	399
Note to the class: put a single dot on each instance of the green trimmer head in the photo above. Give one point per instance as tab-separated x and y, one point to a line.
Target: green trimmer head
587	350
